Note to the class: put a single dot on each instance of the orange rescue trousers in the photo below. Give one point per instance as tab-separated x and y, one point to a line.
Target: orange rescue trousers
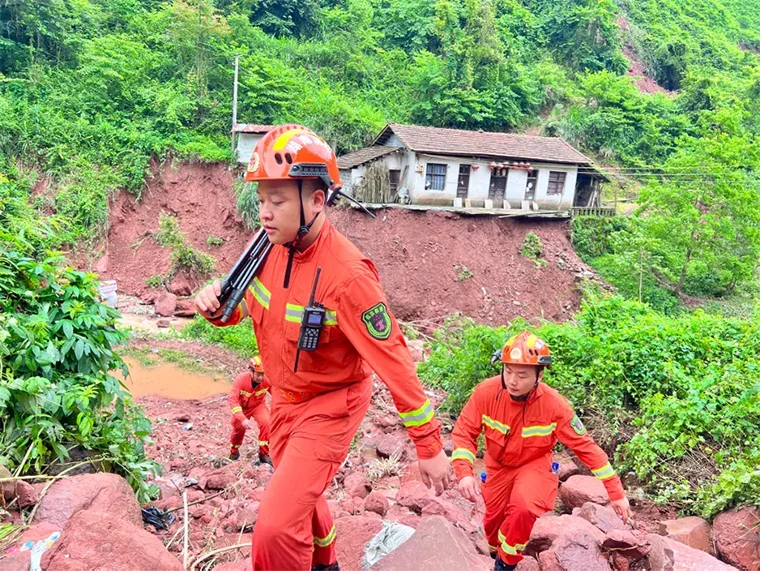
309	441
515	498
261	415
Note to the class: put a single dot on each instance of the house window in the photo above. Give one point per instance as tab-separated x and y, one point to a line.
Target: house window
435	179
498	186
394	176
463	183
530	185
556	182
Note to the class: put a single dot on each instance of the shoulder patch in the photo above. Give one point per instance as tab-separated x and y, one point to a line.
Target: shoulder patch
577	425
377	321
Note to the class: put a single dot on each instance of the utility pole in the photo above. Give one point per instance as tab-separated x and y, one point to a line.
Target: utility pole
234	103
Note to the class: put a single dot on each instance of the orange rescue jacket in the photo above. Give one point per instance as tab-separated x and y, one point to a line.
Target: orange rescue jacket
519	432
360	333
244	397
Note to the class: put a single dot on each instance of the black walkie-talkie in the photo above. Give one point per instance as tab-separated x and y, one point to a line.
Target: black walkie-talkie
312	322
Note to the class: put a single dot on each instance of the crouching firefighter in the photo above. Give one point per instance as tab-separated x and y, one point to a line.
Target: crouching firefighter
323	325
248	400
522	419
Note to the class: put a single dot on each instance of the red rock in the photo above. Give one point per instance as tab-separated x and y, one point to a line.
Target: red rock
547	560
389	445
352	535
218	479
567	468
436	545
737	536
258	494
102	540
97	492
528	564
165	304
180	285
207	518
692	531
26	494
246	518
415	496
687	558
632	546
185	308
242	565
264	474
170	503
445	508
9	488
377	503
417	350
389	421
21	560
101	266
549	528
167	488
660	557
194	496
579	550
603	517
581	489
163	323
354	506
357	484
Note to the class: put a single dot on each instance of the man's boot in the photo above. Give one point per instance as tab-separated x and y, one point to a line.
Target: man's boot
235	454
331	567
264	458
499	565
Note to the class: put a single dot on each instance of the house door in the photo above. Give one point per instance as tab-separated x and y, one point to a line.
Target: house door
463	183
498	187
530	186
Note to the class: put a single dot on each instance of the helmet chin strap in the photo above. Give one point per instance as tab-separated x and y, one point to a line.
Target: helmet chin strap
303	230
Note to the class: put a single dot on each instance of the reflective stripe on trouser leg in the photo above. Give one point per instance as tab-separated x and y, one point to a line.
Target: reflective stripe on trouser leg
514	534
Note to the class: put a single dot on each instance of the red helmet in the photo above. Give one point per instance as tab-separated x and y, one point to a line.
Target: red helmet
526	349
256	365
293	152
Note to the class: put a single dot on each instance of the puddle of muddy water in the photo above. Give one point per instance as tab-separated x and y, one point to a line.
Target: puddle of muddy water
167	380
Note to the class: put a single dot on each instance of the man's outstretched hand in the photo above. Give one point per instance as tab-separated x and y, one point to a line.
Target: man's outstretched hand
436	472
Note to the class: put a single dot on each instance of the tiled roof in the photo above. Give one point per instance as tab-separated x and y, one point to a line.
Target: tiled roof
251	128
356	158
459	142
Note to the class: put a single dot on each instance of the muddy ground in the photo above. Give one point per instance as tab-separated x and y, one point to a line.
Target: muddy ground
431	263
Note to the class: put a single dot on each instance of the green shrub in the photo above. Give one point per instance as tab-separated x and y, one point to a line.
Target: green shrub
248	203
156	281
239	338
214	241
531	246
56	354
184	256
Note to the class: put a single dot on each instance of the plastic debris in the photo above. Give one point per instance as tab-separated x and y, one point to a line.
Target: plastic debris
39	548
157	518
387	539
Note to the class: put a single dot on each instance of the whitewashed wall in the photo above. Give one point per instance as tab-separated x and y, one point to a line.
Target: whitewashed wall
246	142
480	179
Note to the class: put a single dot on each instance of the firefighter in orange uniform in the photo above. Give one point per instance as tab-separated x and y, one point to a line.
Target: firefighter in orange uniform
318	406
522	419
248	400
